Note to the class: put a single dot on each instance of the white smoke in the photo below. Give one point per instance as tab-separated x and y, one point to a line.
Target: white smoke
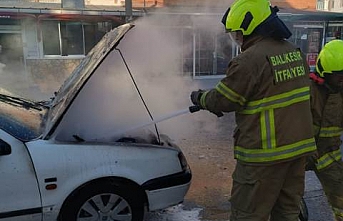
110	104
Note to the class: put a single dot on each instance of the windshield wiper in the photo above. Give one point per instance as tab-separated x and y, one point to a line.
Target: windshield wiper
20	102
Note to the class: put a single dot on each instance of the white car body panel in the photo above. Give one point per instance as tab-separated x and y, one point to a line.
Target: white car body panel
74	165
157	198
18	189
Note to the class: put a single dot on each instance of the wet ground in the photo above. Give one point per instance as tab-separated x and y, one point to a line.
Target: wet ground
212	164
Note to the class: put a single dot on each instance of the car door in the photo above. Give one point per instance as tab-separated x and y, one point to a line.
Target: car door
19	194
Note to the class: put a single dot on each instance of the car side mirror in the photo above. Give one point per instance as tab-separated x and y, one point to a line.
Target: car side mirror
5	148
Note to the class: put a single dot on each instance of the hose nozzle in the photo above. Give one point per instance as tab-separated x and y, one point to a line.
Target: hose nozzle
194	108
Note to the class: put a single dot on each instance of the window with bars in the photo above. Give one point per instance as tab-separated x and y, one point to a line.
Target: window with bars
71	38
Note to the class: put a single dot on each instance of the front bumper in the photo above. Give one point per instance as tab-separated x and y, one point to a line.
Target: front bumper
167	191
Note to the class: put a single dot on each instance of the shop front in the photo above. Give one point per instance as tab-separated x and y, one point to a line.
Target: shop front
312	30
212	49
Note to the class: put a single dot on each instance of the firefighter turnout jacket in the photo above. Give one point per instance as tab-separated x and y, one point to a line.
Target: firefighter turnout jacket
327	110
267	86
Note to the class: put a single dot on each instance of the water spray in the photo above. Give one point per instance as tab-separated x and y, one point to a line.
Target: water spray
190	109
139	93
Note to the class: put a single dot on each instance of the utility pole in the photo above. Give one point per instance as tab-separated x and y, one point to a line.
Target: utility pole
128	10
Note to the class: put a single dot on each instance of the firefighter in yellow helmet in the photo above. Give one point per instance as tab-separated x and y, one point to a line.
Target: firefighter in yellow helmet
327	110
267	87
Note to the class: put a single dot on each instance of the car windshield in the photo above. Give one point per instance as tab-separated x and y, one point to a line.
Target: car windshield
21	118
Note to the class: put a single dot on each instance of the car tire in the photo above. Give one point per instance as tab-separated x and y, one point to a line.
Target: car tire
303	215
104	201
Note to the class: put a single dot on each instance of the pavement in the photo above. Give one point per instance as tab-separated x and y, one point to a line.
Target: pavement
315	199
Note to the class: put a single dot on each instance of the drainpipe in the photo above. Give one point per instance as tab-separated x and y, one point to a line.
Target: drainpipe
128	10
215	58
326	25
194	53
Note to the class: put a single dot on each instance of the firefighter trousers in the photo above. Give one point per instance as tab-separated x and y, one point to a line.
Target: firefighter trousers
273	192
331	178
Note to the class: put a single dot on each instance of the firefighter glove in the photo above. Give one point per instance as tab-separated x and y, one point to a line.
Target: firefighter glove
196	96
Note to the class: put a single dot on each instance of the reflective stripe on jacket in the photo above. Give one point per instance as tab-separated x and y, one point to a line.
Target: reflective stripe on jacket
328	158
327	111
268	88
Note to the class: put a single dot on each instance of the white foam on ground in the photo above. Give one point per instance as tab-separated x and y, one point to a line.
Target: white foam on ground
175	213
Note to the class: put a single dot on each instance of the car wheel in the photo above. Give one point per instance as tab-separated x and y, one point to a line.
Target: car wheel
303	215
104	202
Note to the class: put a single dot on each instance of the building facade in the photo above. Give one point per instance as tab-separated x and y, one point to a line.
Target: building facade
330	5
46	39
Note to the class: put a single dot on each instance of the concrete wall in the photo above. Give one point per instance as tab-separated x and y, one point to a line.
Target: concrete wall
335	5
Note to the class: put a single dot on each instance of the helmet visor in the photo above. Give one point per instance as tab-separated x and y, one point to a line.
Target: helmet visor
236	37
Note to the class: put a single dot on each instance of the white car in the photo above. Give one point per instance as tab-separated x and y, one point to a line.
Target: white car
54	168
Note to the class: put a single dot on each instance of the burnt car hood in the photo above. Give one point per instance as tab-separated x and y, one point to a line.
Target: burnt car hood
81	74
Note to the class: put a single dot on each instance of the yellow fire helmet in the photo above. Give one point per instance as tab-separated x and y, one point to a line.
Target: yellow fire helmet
330	58
246	15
